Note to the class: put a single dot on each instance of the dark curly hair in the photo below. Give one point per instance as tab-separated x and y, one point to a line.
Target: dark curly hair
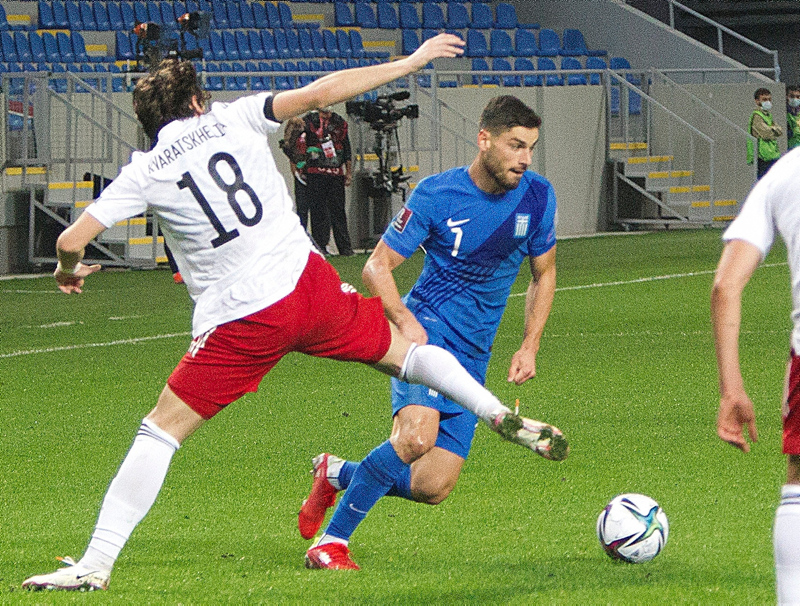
165	94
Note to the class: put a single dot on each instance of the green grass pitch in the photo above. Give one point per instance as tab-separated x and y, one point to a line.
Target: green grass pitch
626	369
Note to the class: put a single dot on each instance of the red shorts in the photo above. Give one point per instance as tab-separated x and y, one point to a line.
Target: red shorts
318	318
791	410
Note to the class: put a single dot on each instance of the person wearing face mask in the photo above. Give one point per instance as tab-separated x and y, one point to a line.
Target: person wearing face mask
764	129
792	112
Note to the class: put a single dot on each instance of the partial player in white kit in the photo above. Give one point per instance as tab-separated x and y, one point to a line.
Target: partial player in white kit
773	206
260	289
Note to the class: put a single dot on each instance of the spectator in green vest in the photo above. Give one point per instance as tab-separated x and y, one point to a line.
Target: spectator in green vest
764	129
792	112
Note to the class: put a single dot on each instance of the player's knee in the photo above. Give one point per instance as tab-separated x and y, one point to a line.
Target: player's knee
411	444
433	492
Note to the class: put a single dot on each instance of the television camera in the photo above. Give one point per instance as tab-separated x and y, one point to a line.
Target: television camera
155	42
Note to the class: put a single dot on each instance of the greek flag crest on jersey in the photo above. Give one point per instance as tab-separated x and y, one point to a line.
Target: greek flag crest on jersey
522	225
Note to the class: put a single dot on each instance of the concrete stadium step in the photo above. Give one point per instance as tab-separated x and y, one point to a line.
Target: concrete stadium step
124	231
698	210
664	180
681	193
642	166
15	176
622	151
64	194
142	248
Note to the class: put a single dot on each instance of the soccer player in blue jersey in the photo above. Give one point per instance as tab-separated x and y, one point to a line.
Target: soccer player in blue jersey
476	223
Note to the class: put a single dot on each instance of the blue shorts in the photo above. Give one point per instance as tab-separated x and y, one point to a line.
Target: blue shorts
456	425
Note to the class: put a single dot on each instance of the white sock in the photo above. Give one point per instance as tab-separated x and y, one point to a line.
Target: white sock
131	494
438	369
326	538
786	538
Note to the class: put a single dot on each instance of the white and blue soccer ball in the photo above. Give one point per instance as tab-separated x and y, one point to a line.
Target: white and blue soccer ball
632	528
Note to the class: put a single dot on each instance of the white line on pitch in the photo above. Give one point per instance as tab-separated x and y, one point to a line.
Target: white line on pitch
29	352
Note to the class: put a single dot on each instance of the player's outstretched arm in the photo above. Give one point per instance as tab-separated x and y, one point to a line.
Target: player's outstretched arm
70	246
346	84
738	262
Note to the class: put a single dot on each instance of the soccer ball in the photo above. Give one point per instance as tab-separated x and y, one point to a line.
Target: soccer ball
632	528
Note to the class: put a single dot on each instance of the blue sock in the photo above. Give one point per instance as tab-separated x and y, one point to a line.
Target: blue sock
372	479
402	485
346	474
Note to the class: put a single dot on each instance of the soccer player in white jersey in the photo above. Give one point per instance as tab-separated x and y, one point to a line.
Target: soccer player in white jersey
773	206
259	287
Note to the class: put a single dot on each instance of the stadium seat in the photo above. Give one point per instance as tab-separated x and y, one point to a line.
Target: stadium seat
476	44
168	17
331	46
387	16
315	66
409	18
73	16
356	45
546	63
23	47
575	45
268	44
239	82
500	43
178	8
101	16
64	48
51	48
87	16
342	17
328	66
125	50
140	12
114	16
243	45
523	64
248	17
37	47
573	63
306	45
505	16
304	79
410	41
9	52
58	84
480	65
293	43
549	43
60	15
153	12
595	63
117	84
481	16
219	13
79	48
502	65
281	44
234	18
256	82
457	16
281	82
318	43
273	16
217	46
260	16
343	42
285	14
525	43
128	16
46	18
213	82
432	16
365	16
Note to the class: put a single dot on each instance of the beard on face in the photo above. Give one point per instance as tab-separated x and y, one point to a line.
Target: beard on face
504	177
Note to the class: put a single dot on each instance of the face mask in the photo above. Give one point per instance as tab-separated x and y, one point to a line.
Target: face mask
766	105
794	102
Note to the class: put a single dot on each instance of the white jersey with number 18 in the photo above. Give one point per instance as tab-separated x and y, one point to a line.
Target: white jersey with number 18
224	208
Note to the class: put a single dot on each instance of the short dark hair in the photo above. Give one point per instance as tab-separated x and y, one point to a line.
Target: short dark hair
762	91
505	112
792	88
165	94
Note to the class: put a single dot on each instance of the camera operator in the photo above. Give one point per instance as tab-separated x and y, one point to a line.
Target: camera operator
329	169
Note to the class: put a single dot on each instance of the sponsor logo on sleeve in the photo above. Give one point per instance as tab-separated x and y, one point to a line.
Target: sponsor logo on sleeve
401	220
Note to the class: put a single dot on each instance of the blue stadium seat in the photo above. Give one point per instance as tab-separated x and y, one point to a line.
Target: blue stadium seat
549	43
140	12
220	15
178	8
256	45
387	16
101	16
356	45
432	16
315	66
243	45
409	19
248	18
500	43
37	47
87	16
51	48
273	16
213	82
525	43
58	84
505	16
523	64
476	44
79	48
293	43
167	11
574	44
573	63
230	46
217	46
457	16
124	49
268	43
9	49
46	19
281	82
234	16
342	17
478	65
331	46
64	47
281	45
260	16
595	63
410	41
318	43
23	47
302	66
365	16
502	65
117	84
256	82
481	16
73	16
285	14
153	12
114	16
546	63
240	82
128	16
60	15
306	46
328	66
343	42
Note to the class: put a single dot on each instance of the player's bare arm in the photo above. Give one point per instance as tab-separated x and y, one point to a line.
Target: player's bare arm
345	84
738	262
378	278
538	303
70	246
